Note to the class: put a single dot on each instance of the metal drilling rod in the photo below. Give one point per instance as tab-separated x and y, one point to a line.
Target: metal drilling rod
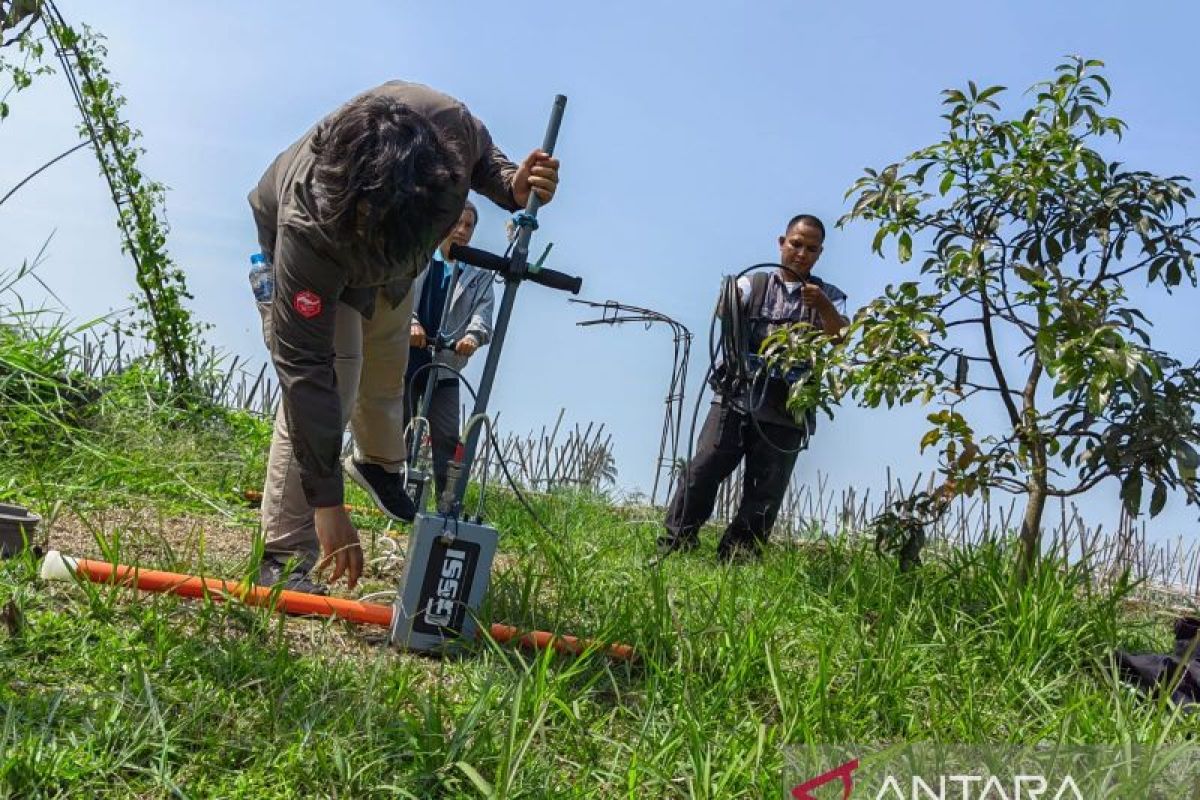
512	279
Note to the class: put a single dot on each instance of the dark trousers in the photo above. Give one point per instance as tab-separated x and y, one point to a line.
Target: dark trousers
727	437
443	422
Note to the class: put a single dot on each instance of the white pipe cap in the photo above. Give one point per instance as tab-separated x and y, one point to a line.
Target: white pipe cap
57	567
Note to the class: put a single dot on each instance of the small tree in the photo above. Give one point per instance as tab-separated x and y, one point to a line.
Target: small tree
1032	237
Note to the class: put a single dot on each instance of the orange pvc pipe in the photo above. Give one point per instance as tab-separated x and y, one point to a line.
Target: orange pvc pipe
152	580
302	603
542	640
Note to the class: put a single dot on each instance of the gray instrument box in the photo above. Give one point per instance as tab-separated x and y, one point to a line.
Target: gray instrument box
446	575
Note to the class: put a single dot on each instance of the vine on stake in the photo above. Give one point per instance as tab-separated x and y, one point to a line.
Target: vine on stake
163	320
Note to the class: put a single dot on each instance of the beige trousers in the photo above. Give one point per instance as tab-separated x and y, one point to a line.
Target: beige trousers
370	357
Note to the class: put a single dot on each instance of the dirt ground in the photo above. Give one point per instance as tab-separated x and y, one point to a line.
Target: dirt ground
219	546
148	538
212	545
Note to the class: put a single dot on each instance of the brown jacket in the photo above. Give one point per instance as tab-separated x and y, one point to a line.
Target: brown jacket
313	272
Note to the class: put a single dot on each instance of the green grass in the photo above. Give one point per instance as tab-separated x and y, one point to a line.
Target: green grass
105	693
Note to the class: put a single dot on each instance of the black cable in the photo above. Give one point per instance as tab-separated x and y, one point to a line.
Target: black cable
733	351
410	395
424	367
767	439
764	369
483	482
500	459
555	537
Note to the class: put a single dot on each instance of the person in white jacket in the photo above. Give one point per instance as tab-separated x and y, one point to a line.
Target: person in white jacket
467	324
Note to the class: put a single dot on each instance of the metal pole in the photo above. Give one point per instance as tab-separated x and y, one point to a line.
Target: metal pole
512	280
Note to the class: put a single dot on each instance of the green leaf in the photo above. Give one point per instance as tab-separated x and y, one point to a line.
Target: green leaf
905	246
1174	274
1027	273
1158	499
1053	249
877	243
1187	460
472	775
1131	492
988	92
1044	342
947	182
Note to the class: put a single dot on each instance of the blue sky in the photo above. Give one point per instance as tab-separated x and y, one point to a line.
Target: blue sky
692	133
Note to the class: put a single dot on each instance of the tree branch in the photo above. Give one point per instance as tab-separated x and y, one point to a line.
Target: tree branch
1026	328
952	352
1082	487
982	388
17	11
1007	484
41	169
990	340
966	321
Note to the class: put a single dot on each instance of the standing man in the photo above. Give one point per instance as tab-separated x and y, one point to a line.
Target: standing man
348	216
756	424
468	324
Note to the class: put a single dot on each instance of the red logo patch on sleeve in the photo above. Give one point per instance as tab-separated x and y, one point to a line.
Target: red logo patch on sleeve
306	303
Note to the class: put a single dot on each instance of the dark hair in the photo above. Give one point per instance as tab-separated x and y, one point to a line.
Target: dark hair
381	175
469	206
809	219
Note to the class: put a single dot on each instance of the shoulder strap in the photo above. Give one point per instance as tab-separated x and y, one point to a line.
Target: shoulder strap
759	282
752	314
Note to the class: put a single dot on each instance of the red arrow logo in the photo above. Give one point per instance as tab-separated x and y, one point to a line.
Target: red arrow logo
845	772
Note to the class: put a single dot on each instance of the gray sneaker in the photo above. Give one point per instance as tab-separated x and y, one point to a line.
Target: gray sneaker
292	574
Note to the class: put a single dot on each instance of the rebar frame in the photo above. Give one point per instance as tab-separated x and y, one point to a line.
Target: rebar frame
616	313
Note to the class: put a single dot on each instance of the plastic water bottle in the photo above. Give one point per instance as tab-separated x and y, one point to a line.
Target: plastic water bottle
262	281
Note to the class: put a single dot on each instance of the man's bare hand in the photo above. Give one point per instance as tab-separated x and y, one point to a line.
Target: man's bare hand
815	298
339	544
466	346
828	317
416	336
538	173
